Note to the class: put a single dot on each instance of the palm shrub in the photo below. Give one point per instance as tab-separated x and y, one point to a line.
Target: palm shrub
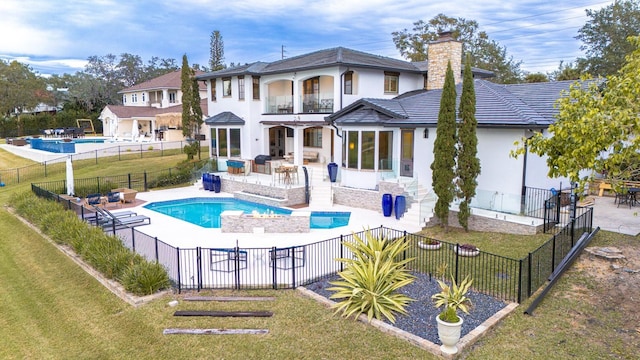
372	278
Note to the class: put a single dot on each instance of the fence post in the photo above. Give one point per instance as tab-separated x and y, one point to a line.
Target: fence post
457	257
519	296
161	149
404	238
274	279
133	239
341	253
129	181
553	255
199	266
119	158
236	263
145	180
529	275
45	169
178	262
96	157
293	266
156	245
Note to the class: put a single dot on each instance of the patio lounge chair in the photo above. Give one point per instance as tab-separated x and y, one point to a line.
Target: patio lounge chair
108	220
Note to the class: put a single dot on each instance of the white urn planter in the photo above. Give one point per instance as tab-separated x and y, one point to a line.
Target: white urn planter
466	252
449	334
426	246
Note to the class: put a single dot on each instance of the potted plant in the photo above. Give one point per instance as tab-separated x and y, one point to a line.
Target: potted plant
453	298
429	244
467	250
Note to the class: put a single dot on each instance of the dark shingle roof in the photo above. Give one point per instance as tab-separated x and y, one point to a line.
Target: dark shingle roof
338	56
497	105
127	112
224	118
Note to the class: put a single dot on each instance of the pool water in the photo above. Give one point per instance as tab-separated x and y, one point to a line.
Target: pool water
206	212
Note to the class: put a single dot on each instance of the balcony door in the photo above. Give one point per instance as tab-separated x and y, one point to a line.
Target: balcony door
406	153
311	92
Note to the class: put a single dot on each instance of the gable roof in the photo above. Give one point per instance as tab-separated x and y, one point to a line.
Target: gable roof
338	56
497	105
128	112
170	80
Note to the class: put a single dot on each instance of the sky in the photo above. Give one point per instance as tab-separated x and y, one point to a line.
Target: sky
58	36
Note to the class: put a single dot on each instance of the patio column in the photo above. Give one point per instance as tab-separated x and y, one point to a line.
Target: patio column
298	136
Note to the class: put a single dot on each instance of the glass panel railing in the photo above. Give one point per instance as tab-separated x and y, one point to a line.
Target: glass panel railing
495	201
282	104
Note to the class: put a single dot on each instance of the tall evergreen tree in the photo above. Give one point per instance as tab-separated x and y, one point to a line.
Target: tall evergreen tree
444	150
196	110
187	95
216	58
468	167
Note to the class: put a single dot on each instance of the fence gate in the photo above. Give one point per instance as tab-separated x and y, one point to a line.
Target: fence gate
551	212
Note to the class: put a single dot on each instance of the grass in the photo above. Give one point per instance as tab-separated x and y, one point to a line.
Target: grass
52	309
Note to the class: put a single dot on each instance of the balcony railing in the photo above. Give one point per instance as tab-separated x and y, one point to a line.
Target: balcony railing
280	104
322	103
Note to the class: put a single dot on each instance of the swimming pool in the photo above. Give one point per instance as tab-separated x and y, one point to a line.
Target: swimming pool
205	212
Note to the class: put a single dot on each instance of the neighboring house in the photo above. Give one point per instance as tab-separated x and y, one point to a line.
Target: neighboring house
151	110
279	108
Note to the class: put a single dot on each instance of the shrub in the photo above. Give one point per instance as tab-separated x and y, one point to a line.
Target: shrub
145	278
372	278
103	252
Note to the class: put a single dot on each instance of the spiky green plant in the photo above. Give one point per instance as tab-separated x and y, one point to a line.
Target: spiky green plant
453	297
372	278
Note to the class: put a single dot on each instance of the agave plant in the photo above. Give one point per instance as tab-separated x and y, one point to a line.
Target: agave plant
371	279
453	297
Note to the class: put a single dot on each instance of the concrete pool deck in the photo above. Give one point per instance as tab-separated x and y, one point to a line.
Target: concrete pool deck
182	234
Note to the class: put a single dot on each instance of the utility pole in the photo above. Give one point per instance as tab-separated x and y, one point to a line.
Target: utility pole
282	51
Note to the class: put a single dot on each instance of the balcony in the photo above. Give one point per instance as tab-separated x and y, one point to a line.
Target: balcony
317	104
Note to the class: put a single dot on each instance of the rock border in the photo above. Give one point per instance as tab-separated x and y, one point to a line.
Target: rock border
471	338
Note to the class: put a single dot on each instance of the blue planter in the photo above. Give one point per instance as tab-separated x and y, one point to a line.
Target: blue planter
216	183
401	203
333	171
387	204
206	178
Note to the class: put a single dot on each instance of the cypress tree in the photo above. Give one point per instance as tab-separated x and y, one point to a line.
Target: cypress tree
444	150
187	90
468	163
196	110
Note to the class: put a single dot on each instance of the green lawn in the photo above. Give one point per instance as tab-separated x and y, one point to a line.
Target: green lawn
51	309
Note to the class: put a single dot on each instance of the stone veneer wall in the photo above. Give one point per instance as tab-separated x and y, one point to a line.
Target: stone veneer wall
487	224
263	194
439	53
237	222
367	199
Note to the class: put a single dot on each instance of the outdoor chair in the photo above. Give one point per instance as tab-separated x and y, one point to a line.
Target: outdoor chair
113	197
94	199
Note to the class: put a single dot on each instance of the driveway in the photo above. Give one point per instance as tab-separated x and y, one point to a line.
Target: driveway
610	217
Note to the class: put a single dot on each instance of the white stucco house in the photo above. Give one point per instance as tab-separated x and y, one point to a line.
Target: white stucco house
151	110
376	118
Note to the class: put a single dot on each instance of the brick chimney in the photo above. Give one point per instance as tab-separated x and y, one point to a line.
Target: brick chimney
439	53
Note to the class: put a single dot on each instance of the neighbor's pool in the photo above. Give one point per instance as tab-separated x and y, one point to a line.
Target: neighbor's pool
206	212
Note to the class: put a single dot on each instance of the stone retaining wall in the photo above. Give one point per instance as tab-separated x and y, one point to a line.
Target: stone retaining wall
367	199
238	222
280	196
488	224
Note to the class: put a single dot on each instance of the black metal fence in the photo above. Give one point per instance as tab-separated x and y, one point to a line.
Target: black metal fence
109	154
289	267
